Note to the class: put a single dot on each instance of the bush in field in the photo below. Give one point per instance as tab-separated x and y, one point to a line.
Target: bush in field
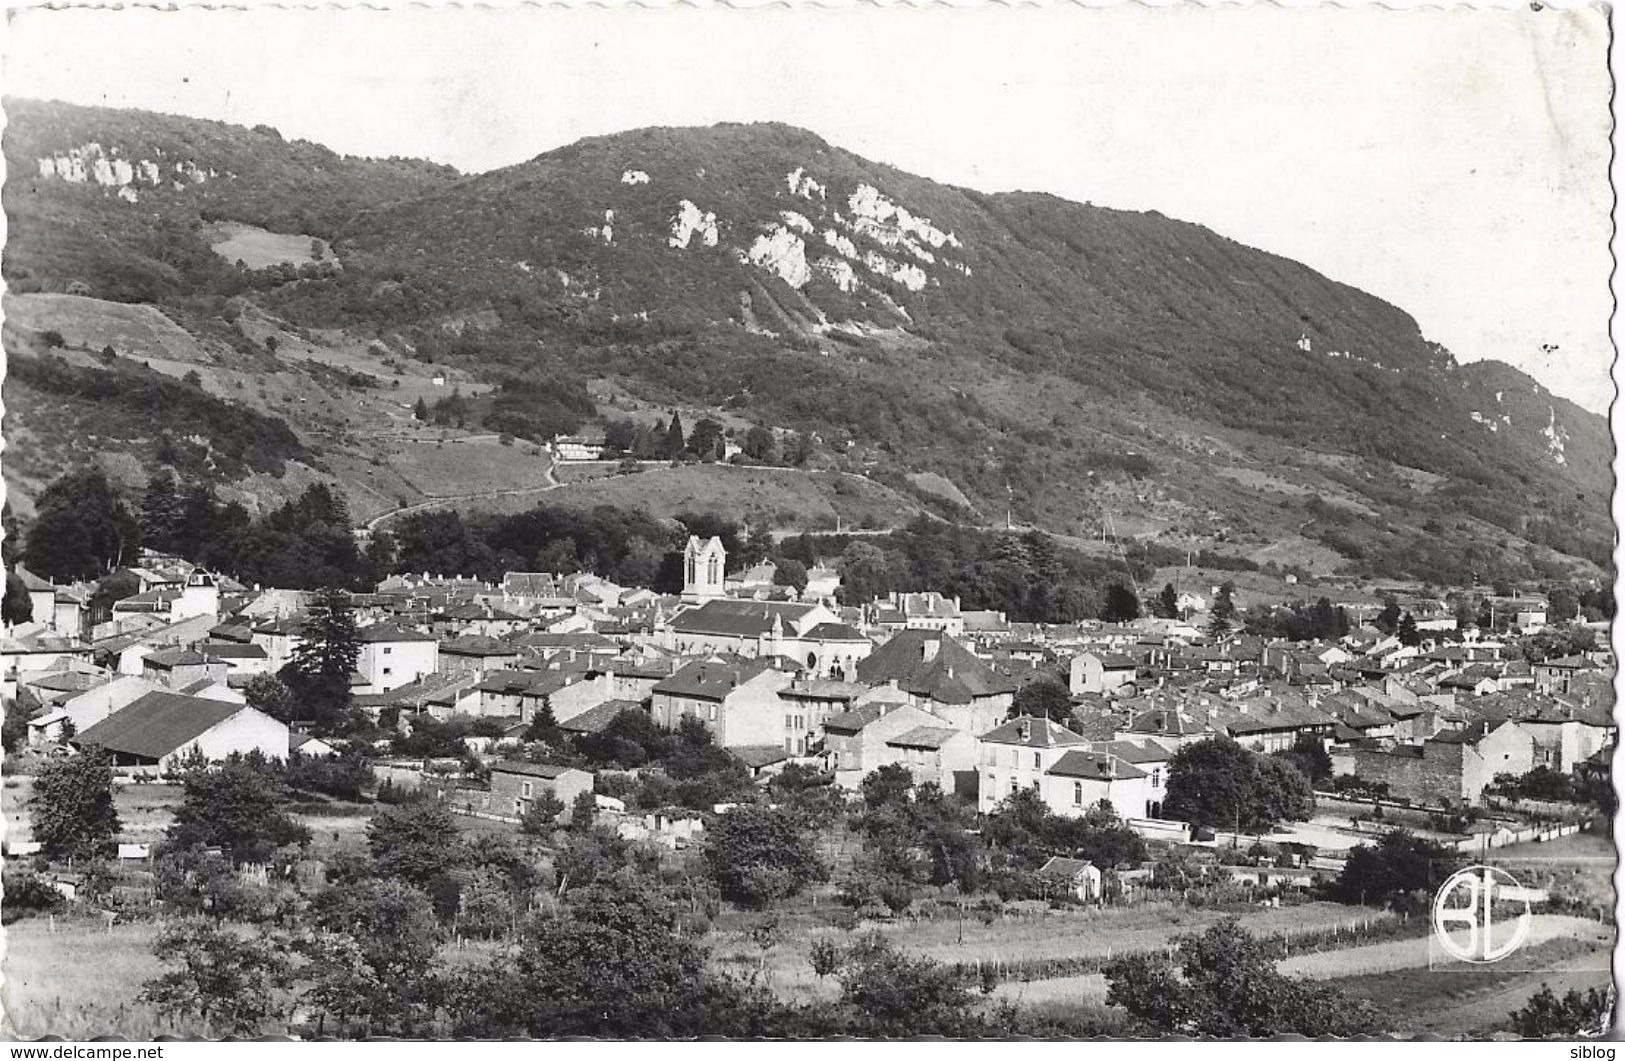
1570	1017
397	938
26	893
237	806
236	980
72	806
415	842
340	776
1401	871
758	855
1223	982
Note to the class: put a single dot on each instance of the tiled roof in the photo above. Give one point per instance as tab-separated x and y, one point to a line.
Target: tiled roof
1096	766
550	771
712	679
390	632
157	724
951	675
477	646
1031	733
849	722
597	719
32	582
824	689
925	737
175	657
739	618
834	632
231	650
1130	752
758	756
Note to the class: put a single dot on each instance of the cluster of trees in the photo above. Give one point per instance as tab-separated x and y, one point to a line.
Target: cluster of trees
1297	621
530	406
82	529
626	545
681	768
85	529
616	947
1022	834
1544	783
912	835
706	441
1219	784
1026	575
1402	871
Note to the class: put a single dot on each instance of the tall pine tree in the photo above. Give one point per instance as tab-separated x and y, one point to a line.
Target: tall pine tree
319	672
160	512
1223	613
676	442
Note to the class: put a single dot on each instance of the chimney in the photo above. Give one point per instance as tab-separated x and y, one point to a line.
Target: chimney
1111	766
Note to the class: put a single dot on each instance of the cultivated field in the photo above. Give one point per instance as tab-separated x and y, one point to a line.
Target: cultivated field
132	330
259	249
1016	941
454	468
81	981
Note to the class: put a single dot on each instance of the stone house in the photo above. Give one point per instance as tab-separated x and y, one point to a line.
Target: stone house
737	700
1450	769
514	786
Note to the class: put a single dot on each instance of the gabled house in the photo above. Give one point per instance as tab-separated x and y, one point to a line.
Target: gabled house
476	655
1018	755
941	676
174	668
515	786
737	699
1558	675
1103	674
1081	778
807	703
392	656
855	740
939	754
155	731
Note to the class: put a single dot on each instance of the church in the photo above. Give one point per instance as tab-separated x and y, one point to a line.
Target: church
809	634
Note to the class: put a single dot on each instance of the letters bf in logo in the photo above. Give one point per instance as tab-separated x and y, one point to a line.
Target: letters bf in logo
1480	915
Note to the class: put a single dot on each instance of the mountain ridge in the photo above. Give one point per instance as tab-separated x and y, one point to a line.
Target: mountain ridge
1072	362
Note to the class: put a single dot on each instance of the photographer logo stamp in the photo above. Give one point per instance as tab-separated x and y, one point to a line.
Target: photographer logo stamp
1481	915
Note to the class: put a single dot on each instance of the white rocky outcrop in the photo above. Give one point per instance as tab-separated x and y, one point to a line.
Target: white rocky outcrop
840	243
840	271
796	221
604	233
90	163
1556	438
801	184
908	274
782	253
634	176
872	210
691	221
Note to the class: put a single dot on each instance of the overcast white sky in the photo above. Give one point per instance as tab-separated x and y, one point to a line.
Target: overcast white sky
1454	163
